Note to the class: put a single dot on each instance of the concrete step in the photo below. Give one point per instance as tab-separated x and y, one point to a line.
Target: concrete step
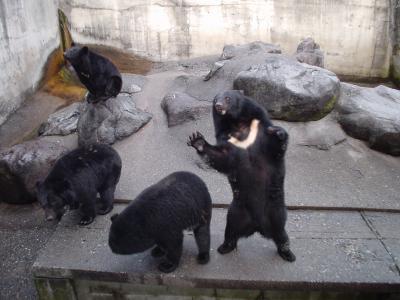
338	253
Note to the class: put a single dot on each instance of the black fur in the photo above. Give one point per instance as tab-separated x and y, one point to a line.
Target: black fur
75	180
239	112
256	174
97	73
158	216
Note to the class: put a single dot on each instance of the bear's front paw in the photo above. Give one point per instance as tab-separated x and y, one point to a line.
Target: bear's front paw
226	248
287	255
167	267
203	258
86	220
197	141
105	210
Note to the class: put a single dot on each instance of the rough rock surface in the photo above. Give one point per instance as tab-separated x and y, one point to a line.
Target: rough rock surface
290	90
233	60
181	108
132	83
396	70
22	165
371	114
108	121
62	122
322	134
308	52
231	51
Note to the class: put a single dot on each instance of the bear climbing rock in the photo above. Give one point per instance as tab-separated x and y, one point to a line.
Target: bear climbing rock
158	216
97	73
251	152
75	180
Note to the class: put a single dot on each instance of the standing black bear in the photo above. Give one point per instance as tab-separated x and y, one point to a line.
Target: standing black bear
97	73
158	216
255	169
75	180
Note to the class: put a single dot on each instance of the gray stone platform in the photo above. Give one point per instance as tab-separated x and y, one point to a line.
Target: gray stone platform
347	252
347	176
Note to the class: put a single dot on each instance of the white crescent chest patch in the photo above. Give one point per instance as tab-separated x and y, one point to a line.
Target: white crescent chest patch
251	138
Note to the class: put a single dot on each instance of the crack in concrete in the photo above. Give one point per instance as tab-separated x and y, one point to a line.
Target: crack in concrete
381	239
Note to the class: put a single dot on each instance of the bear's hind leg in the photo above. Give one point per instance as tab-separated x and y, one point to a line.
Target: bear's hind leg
202	236
282	243
173	252
239	224
157	252
106	200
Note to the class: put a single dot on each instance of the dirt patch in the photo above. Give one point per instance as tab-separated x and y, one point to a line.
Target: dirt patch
125	62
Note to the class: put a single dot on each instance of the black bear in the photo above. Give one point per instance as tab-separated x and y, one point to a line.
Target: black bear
251	151
158	216
75	180
97	73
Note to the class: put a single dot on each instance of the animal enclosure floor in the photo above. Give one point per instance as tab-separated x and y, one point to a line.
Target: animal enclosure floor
347	176
341	251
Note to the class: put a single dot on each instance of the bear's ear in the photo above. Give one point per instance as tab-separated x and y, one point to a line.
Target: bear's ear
72	44
113	217
85	50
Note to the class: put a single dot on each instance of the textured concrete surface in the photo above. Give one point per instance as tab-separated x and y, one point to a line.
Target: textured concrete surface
25	122
334	250
23	232
354	35
28	33
349	175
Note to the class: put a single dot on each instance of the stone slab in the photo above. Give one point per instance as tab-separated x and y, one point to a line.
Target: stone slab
328	259
349	175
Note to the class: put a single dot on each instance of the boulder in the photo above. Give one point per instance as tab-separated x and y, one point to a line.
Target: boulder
62	122
290	90
231	51
322	134
308	52
22	165
109	121
181	108
371	114
233	60
132	83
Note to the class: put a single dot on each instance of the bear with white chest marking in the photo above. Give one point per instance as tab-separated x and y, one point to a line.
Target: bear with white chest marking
250	150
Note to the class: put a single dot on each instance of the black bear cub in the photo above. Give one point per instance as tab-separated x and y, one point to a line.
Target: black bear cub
75	180
158	216
97	73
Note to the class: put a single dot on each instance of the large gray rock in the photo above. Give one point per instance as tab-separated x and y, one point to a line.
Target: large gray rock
290	90
109	121
231	51
132	83
181	108
308	52
23	165
322	134
371	114
233	60
62	122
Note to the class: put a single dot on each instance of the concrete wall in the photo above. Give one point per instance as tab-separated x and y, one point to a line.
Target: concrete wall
355	34
28	34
